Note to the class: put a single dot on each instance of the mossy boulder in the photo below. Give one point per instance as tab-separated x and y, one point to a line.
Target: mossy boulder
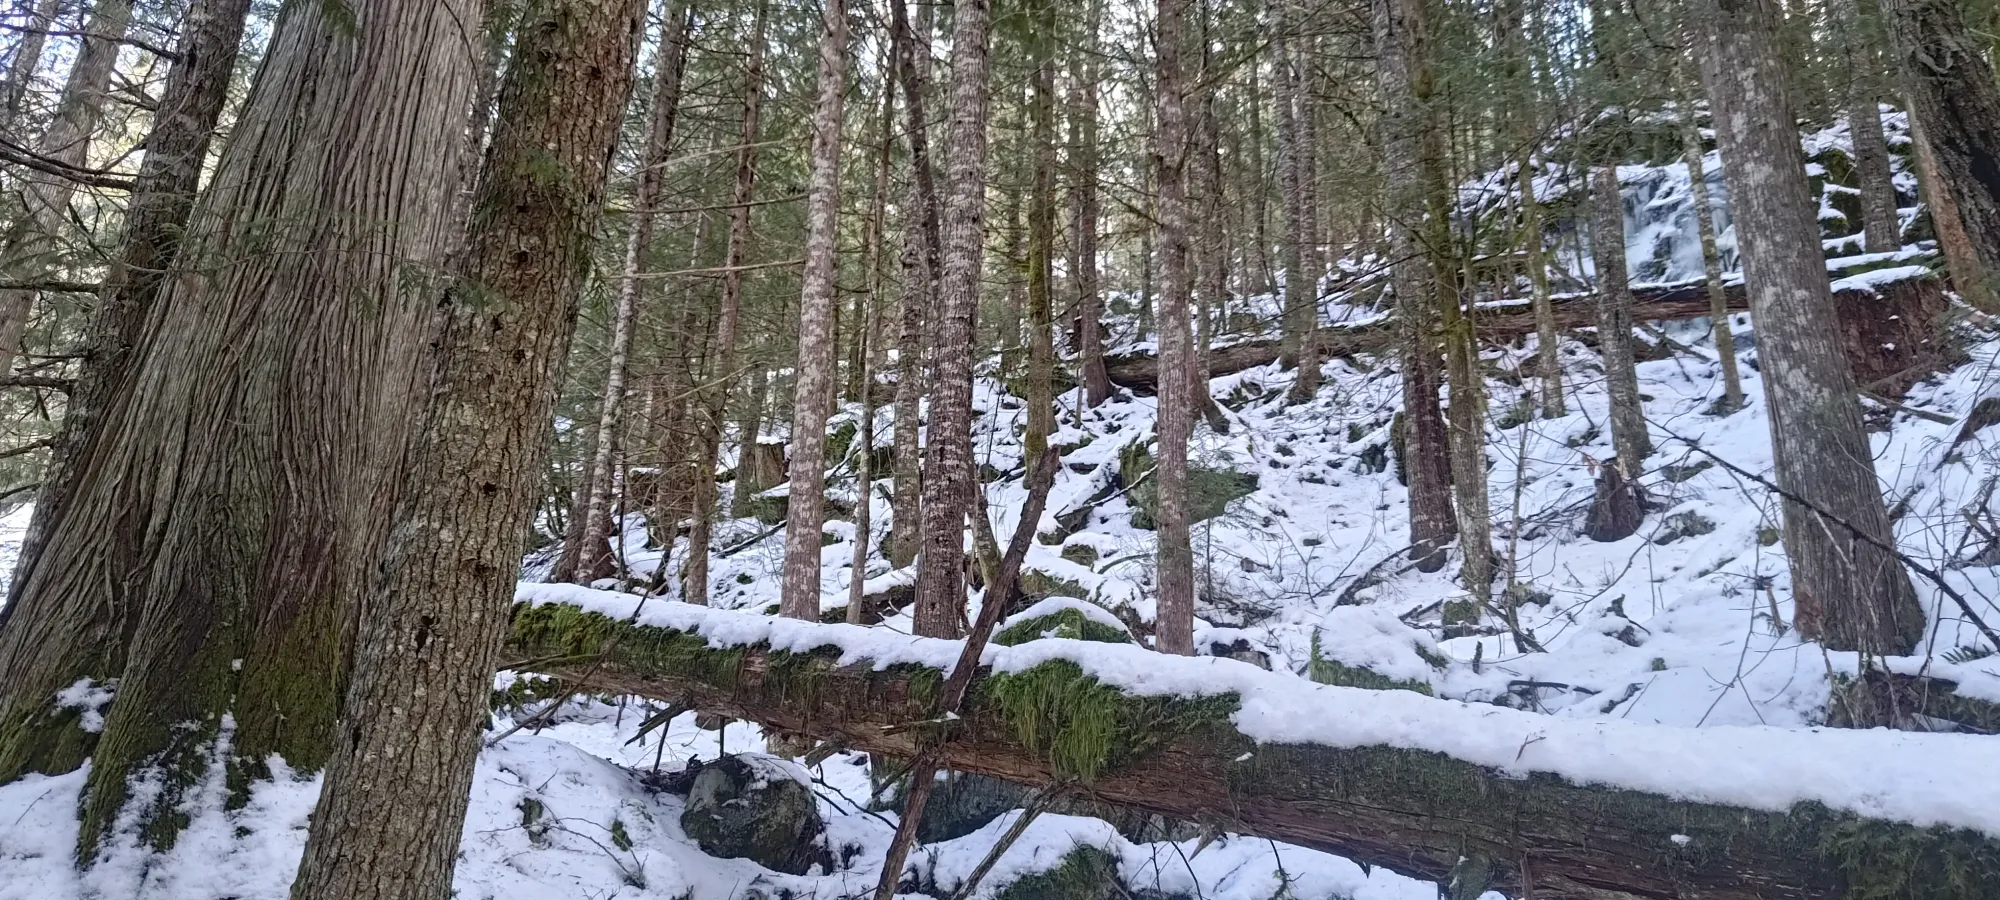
1210	491
1036	585
1064	622
755	807
1681	525
1085	873
1081	554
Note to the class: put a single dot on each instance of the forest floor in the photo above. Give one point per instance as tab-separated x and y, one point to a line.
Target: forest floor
1685	624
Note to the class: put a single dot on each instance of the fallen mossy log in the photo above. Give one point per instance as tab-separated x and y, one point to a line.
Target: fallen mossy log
1890	329
1421	813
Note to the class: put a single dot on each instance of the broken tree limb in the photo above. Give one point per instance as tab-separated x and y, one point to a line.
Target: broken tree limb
1377	802
1891	329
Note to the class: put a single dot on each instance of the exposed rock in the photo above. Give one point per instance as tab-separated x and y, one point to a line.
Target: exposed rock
756	807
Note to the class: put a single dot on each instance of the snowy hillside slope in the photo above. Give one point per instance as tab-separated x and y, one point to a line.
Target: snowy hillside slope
1685	624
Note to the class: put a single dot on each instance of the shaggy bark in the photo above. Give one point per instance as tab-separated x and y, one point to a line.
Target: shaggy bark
191	103
813	396
1422	814
919	263
661	119
708	422
948	482
390	816
1174	623
1955	103
34	244
271	422
1850	595
1425	457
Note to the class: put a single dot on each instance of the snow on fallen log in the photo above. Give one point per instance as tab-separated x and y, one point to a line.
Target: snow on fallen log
1889	321
1431	788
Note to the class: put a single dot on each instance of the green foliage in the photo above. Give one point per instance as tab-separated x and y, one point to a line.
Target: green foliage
1888	861
1085	873
1327	671
1063	623
1085	727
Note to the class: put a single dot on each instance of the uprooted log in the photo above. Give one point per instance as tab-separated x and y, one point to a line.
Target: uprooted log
1892	330
1421	813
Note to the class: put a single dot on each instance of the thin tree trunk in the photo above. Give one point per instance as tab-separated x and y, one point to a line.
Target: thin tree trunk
948	482
272	423
664	114
1548	341
1426	461
1881	231
750	475
1466	416
1041	399
163	194
708	425
1084	216
1214	293
1259	188
27	61
1711	264
919	264
1302	204
392	809
1850	595
1955	105
1174	620
1629	438
877	260
813	397
1297	315
33	246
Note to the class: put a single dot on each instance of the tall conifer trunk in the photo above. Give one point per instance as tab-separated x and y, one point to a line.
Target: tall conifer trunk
813	396
948	481
269	414
1850	594
392	809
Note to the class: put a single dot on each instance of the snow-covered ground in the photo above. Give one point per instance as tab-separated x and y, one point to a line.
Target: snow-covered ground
1668	659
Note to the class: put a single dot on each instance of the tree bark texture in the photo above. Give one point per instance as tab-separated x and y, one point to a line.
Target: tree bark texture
919	265
948	481
708	422
1711	262
163	194
1418	813
813	397
1040	320
1629	437
661	118
1955	104
1849	594
1881	230
1426	459
392	808
251	472
1174	617
1085	214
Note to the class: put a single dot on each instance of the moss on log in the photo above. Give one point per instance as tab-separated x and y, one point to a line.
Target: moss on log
1415	812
